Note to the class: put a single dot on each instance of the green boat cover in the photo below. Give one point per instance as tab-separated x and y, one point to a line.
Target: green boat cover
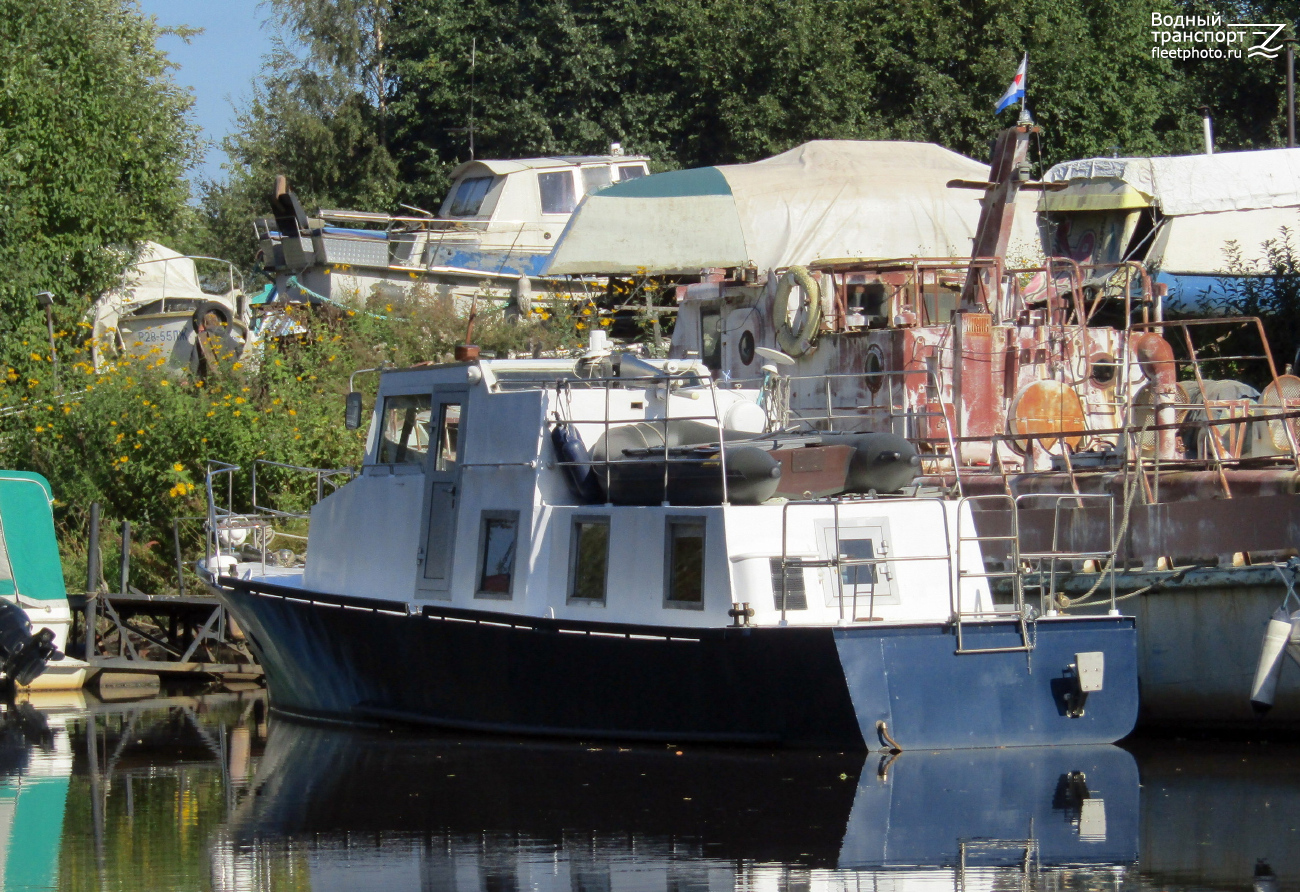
29	550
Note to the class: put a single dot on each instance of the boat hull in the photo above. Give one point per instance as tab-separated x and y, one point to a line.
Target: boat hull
360	660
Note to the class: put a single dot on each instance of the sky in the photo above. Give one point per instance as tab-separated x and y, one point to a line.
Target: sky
218	65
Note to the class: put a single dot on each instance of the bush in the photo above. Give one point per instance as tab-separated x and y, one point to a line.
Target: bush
137	437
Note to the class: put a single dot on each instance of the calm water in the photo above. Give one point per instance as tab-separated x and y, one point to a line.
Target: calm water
206	792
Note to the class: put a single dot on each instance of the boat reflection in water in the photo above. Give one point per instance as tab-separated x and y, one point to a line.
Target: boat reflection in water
377	810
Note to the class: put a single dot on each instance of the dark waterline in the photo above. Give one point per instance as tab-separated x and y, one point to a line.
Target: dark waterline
207	792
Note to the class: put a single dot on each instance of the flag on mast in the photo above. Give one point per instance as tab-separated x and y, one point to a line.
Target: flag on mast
1017	89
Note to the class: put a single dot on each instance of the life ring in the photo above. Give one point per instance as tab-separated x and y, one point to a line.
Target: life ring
797	343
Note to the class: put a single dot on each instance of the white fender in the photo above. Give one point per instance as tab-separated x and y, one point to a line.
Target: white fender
1277	637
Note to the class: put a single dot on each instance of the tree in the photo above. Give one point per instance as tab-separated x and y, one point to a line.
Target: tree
318	115
94	147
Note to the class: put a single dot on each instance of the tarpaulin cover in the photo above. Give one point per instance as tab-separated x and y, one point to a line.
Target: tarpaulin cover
824	199
1191	184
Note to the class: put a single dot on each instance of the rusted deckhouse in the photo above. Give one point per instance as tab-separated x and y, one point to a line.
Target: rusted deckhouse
1176	440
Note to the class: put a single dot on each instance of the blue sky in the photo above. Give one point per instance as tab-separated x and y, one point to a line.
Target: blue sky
218	65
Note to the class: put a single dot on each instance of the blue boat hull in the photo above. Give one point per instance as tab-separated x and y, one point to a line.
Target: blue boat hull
357	659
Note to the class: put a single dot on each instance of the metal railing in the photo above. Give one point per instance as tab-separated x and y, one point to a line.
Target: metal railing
322	475
1056	554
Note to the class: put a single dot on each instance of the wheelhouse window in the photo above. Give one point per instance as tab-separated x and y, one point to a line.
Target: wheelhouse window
469	195
558	196
498	537
589	560
448	437
595	178
630	172
404	436
684	560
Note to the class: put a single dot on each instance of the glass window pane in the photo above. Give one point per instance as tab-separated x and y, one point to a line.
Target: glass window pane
448	436
686	561
857	578
630	172
595	178
498	555
590	559
469	196
404	437
557	192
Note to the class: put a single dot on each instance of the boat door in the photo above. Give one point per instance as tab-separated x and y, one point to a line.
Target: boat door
442	476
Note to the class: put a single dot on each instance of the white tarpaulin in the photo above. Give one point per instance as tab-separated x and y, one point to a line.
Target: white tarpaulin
1195	184
825	199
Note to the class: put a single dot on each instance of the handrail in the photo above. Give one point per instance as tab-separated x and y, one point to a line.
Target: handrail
1056	554
322	476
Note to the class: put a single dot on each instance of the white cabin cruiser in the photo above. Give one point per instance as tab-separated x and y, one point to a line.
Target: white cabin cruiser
609	546
493	234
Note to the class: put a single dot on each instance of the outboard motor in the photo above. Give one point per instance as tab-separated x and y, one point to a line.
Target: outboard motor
23	656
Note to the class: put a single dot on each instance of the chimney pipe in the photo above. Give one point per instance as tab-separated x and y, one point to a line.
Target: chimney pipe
1209	129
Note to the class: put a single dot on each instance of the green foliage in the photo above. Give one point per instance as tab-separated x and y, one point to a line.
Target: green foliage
137	437
94	146
1267	287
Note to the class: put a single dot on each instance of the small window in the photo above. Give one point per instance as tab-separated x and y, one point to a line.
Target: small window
557	192
589	559
497	539
630	172
858	579
595	178
404	438
469	196
685	563
448	437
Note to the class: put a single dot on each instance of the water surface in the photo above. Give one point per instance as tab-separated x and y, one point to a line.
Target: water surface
208	792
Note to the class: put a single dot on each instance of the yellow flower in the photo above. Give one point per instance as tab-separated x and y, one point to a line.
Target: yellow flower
36	357
67	410
606	321
112	424
292	412
581	326
137	445
236	413
239	401
139	433
39	429
178	467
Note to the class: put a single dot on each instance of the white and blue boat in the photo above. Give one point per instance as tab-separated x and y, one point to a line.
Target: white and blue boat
613	547
492	236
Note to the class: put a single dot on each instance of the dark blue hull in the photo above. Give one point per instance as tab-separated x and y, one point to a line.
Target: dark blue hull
356	659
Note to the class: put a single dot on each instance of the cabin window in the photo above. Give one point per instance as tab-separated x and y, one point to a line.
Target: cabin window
865	578
448	437
630	172
595	178
404	437
469	196
557	192
684	570
498	536
589	559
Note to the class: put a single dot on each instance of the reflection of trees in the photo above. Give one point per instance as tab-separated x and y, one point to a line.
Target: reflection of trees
151	784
